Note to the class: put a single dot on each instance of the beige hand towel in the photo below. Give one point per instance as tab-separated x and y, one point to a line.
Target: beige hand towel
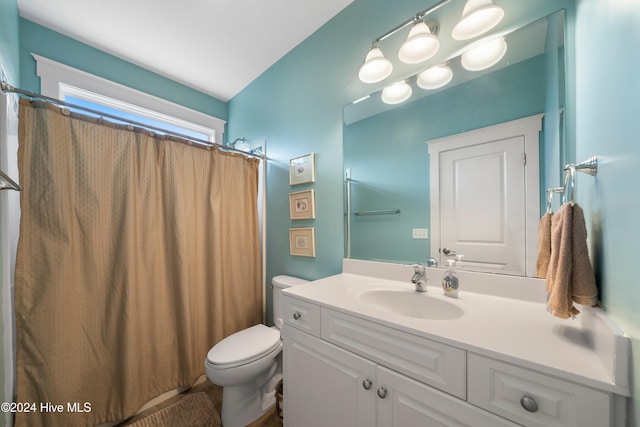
570	277
585	290
544	245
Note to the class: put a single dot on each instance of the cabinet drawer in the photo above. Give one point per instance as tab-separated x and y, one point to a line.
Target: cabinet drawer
438	365
301	314
506	390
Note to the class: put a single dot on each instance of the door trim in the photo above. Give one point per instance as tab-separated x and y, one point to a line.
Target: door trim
529	128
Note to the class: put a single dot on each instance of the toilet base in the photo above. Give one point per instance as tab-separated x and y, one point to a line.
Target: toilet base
248	405
244	403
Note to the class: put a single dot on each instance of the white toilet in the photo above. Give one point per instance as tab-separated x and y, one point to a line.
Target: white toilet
248	365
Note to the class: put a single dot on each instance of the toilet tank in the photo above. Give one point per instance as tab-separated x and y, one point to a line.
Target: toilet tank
278	283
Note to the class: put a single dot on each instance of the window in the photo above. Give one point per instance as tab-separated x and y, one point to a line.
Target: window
143	116
77	87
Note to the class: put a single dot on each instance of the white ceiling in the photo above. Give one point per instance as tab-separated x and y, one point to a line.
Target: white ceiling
215	46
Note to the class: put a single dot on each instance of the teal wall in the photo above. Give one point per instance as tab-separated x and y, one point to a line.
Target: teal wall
389	159
554	152
50	44
9	57
296	106
607	107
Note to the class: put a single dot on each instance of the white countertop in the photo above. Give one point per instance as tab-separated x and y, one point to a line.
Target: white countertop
516	331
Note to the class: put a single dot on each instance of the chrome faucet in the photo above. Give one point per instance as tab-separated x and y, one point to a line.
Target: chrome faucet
418	278
432	262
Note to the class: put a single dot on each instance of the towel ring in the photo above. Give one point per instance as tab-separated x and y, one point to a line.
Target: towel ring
569	183
589	166
550	192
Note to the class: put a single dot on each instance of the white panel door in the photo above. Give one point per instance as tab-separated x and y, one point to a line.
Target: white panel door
489	205
482	205
325	385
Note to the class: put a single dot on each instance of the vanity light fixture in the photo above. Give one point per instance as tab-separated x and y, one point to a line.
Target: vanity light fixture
376	67
485	55
396	93
478	17
435	77
421	44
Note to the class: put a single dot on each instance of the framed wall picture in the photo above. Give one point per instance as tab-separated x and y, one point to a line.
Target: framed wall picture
302	169
302	205
302	241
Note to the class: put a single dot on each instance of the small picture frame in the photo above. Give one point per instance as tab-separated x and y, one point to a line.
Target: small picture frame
302	241
302	169
302	205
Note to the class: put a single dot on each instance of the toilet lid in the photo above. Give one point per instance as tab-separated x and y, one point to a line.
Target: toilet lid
245	345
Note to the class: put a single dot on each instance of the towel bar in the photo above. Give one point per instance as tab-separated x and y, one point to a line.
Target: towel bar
378	212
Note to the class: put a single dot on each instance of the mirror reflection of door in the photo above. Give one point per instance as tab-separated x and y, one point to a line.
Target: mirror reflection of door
482	206
485	187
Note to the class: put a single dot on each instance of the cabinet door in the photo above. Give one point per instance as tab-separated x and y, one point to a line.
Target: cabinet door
403	402
325	385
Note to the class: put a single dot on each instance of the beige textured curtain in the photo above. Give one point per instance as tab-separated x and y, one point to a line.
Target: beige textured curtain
137	253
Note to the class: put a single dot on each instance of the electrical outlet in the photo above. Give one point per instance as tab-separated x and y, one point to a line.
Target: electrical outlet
420	233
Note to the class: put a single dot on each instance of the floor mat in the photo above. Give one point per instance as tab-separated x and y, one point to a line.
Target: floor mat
193	410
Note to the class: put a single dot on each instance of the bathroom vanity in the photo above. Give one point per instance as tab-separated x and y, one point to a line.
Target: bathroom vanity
363	348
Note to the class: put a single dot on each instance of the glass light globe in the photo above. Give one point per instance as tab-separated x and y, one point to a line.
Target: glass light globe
478	17
375	68
435	77
419	46
396	93
484	56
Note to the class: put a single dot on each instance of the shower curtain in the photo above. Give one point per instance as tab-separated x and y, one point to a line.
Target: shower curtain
137	253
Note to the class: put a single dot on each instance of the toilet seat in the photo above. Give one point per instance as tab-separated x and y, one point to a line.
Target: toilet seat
244	346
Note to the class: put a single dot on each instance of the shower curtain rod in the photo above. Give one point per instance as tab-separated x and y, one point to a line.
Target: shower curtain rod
7	88
7	183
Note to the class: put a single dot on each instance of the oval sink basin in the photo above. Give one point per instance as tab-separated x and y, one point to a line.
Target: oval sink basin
411	304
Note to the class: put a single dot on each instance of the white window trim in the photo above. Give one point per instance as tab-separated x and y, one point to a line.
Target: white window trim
58	80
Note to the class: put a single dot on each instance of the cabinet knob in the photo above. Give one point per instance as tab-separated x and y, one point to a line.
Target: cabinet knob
382	392
529	403
366	384
296	315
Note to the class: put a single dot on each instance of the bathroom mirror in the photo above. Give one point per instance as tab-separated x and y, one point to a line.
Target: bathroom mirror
386	159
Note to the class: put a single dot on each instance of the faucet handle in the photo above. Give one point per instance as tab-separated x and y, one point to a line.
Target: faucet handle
432	262
418	278
417	267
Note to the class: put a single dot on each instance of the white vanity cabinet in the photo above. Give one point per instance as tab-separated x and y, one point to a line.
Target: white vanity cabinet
326	385
350	360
